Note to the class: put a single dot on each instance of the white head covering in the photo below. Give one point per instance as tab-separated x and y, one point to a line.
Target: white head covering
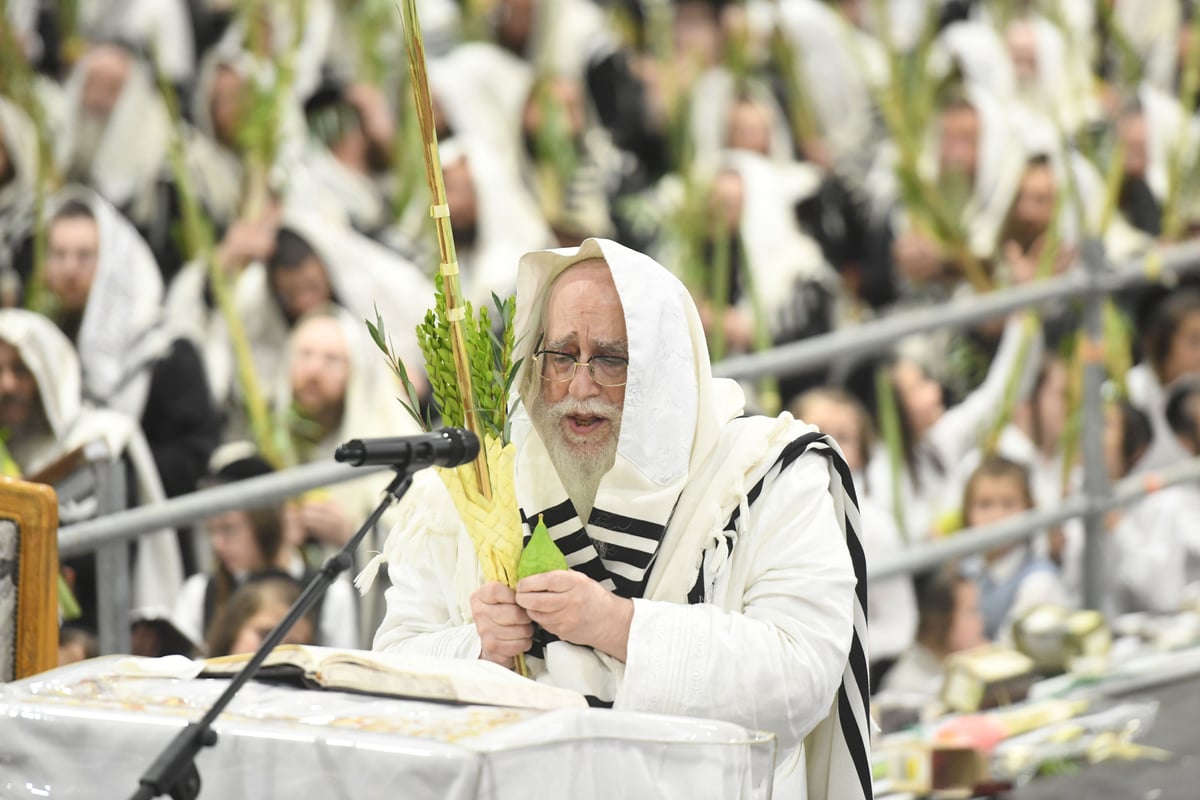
840	65
712	100
123	331
158	571
1167	127
980	53
509	222
364	276
998	170
678	428
132	151
482	88
779	254
162	27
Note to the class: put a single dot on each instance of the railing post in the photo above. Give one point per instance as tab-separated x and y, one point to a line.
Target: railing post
112	560
1095	471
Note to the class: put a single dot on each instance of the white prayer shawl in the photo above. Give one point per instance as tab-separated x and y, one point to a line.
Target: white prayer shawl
841	67
364	275
1167	128
1082	209
359	195
567	36
998	171
19	140
779	255
713	99
158	570
977	49
123	332
693	451
315	42
163	28
509	222
371	409
1152	28
482	88
132	152
1062	89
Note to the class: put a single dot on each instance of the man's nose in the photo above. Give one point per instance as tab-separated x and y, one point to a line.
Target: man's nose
582	384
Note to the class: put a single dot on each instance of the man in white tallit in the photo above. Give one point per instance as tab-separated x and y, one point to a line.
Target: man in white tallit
716	569
109	294
312	261
163	28
493	215
42	410
336	387
116	131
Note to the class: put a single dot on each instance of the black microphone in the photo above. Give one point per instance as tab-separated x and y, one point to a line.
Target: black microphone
447	447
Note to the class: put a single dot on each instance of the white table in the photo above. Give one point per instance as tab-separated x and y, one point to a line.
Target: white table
86	731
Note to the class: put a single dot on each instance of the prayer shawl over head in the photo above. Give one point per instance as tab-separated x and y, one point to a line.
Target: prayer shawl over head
508	224
364	275
123	332
132	152
780	256
482	89
665	520
713	100
158	571
371	409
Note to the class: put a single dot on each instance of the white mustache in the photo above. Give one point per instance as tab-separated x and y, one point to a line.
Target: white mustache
592	407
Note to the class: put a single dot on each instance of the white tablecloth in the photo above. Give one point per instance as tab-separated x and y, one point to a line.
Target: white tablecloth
85	731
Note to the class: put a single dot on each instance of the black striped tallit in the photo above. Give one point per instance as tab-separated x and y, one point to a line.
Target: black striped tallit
853	698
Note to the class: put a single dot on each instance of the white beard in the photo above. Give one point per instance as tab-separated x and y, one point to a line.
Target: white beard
579	467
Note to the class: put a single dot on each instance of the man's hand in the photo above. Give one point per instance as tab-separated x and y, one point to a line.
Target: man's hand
576	609
325	521
504	628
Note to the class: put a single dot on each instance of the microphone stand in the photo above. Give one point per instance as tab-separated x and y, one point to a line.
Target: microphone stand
174	772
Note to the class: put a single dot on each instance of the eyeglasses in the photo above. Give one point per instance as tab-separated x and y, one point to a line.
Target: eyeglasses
605	370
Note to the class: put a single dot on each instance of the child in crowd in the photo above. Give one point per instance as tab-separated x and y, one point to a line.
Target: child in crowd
1172	348
891	604
949	622
246	543
1013	579
252	613
935	439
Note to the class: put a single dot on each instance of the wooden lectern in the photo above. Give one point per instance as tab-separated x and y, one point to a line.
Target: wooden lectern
28	578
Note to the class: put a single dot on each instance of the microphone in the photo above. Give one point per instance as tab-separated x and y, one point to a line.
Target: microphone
448	447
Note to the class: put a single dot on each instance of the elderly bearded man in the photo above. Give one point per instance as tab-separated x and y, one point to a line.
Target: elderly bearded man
715	567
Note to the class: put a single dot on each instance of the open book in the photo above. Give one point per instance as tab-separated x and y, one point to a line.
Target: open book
423	678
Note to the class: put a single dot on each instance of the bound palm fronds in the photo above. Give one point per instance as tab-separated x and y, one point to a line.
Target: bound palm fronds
469	368
198	243
908	104
18	83
893	440
260	134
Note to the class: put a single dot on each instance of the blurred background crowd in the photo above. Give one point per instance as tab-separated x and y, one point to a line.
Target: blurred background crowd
202	200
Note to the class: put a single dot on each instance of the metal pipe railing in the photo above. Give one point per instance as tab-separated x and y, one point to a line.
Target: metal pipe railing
971	541
1163	265
86	536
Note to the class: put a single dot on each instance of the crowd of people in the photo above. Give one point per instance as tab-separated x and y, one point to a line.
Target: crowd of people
800	165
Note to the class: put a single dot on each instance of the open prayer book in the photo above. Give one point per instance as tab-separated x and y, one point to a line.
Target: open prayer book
419	677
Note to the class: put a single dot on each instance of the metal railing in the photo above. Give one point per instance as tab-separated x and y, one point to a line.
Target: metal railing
1093	283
